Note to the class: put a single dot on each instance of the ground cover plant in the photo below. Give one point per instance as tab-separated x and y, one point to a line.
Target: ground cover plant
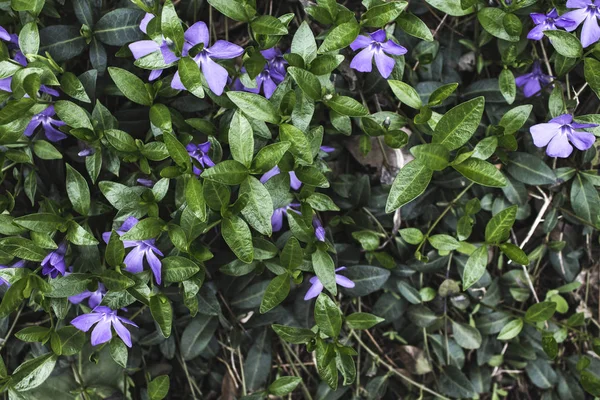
251	199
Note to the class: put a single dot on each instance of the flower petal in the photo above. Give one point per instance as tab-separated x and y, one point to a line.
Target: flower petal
390	47
538	18
537	33
363	61
314	291
360	42
563	119
582	140
559	147
277	219
78	298
122	332
31	127
269	174
176	82
216	76
543	133
295	183
378	36
196	34
385	64
135	260
343	281
532	87
155	265
577	16
101	333
590	33
53	134
225	50
155	74
84	322
142	48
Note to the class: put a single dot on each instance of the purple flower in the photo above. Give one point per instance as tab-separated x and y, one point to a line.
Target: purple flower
294	181
319	230
104	317
54	263
317	286
587	10
142	48
216	76
532	82
4	35
18	264
142	249
547	22
48	123
272	75
278	213
94	297
557	134
375	45
145	182
327	149
199	152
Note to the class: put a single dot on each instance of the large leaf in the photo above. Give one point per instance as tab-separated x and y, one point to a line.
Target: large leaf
63	42
411	181
119	27
457	126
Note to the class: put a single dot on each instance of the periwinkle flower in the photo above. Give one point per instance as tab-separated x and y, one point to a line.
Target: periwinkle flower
532	82
216	76
94	297
145	182
141	249
54	263
557	134
278	213
294	181
317	286
319	230
547	22
104	318
4	35
18	264
272	75
375	46
327	149
199	152
48	123
142	48
587	12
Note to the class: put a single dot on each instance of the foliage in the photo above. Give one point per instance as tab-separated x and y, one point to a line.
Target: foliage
251	199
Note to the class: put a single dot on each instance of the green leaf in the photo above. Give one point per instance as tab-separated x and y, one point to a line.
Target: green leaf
160	117
118	352
71	341
382	14
170	25
131	86
162	312
585	200
434	156
293	335
63	42
194	196
491	19
550	346
444	242
466	336
33	334
511	330
229	172
506	82
442	93
481	172
406	94
177	151
276	292
340	37
347	106
255	106
196	336
565	43
515	118
457	126
40	222
178	269
119	27
299	145
514	253
238	237
292	254
411	181
413	26
591	69
269	156
284	385
237	10
362	320
15	109
46	151
33	6
540	312
34	372
78	191
328	316
475	267
241	139
450	7
76	234
325	270
158	388
114	280
69	285
304	43
268	25
73	115
29	39
71	85
530	169
307	82
411	235
498	228
148	228
259	209
190	76
22	248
